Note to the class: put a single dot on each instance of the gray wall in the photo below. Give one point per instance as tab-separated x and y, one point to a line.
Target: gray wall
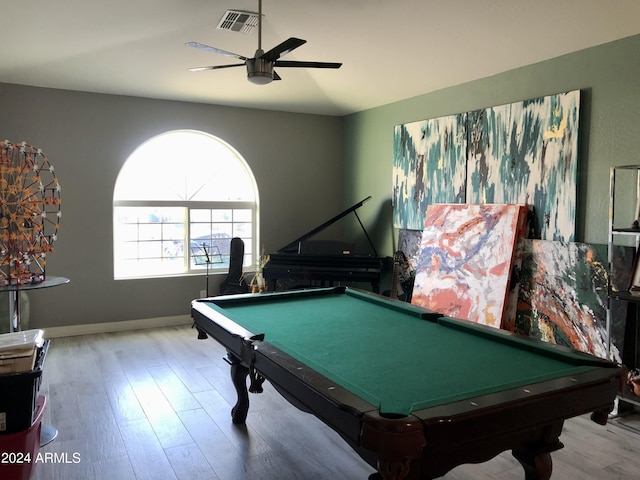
296	159
609	78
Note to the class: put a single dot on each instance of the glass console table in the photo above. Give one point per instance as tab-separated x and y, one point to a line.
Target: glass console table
14	297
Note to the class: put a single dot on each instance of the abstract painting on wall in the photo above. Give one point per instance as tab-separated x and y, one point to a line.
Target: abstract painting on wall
526	152
466	258
563	295
429	166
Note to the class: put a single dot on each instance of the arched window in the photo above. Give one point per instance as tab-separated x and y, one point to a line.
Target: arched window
178	201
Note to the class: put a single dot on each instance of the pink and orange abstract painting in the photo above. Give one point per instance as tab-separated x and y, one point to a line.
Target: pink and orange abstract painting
466	257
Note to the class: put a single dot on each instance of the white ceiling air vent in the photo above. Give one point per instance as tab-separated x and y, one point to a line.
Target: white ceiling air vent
238	21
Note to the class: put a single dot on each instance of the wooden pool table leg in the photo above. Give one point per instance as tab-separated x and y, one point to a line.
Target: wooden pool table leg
535	457
537	464
239	374
398	443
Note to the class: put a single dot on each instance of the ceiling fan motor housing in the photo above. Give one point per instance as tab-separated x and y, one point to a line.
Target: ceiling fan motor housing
259	70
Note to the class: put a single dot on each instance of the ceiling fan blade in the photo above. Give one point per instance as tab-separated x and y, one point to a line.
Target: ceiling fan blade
202	46
276	76
284	48
285	63
215	67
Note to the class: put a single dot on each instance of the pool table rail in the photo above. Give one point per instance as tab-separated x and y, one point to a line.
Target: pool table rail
529	424
428	442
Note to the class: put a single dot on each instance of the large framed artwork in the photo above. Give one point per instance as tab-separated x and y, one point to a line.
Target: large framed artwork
524	152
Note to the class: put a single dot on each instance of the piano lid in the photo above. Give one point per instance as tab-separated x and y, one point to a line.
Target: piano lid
294	247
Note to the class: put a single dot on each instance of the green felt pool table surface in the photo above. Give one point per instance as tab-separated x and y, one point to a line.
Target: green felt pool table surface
360	362
393	355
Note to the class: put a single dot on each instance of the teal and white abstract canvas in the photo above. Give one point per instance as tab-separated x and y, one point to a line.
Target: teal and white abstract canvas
523	152
429	166
527	152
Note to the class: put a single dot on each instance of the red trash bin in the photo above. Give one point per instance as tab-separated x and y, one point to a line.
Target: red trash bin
18	450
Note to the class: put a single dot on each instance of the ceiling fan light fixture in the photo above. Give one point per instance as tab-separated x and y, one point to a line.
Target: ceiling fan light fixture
259	71
260	78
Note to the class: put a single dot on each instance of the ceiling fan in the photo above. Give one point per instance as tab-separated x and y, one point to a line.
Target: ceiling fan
260	68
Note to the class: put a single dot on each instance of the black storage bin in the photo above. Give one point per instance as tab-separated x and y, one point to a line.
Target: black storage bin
19	394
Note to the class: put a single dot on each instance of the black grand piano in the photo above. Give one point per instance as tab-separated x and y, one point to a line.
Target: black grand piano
324	261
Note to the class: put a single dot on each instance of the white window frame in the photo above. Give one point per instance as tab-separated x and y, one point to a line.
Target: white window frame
251	250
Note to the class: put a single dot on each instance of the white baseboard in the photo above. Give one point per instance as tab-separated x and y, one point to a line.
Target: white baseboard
108	327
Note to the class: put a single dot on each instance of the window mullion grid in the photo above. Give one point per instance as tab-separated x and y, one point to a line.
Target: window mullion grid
187	208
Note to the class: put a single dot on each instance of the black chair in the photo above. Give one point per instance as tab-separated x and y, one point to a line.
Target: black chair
234	283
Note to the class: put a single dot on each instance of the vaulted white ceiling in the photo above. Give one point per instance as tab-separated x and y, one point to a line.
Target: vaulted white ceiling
390	50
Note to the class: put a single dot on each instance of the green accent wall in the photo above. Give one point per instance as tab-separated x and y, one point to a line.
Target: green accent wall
609	79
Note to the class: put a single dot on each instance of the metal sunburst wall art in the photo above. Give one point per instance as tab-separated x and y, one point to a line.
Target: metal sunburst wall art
29	213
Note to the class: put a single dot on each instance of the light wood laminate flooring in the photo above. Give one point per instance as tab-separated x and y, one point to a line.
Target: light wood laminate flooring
155	404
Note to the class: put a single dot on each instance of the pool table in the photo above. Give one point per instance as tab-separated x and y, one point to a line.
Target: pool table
413	392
